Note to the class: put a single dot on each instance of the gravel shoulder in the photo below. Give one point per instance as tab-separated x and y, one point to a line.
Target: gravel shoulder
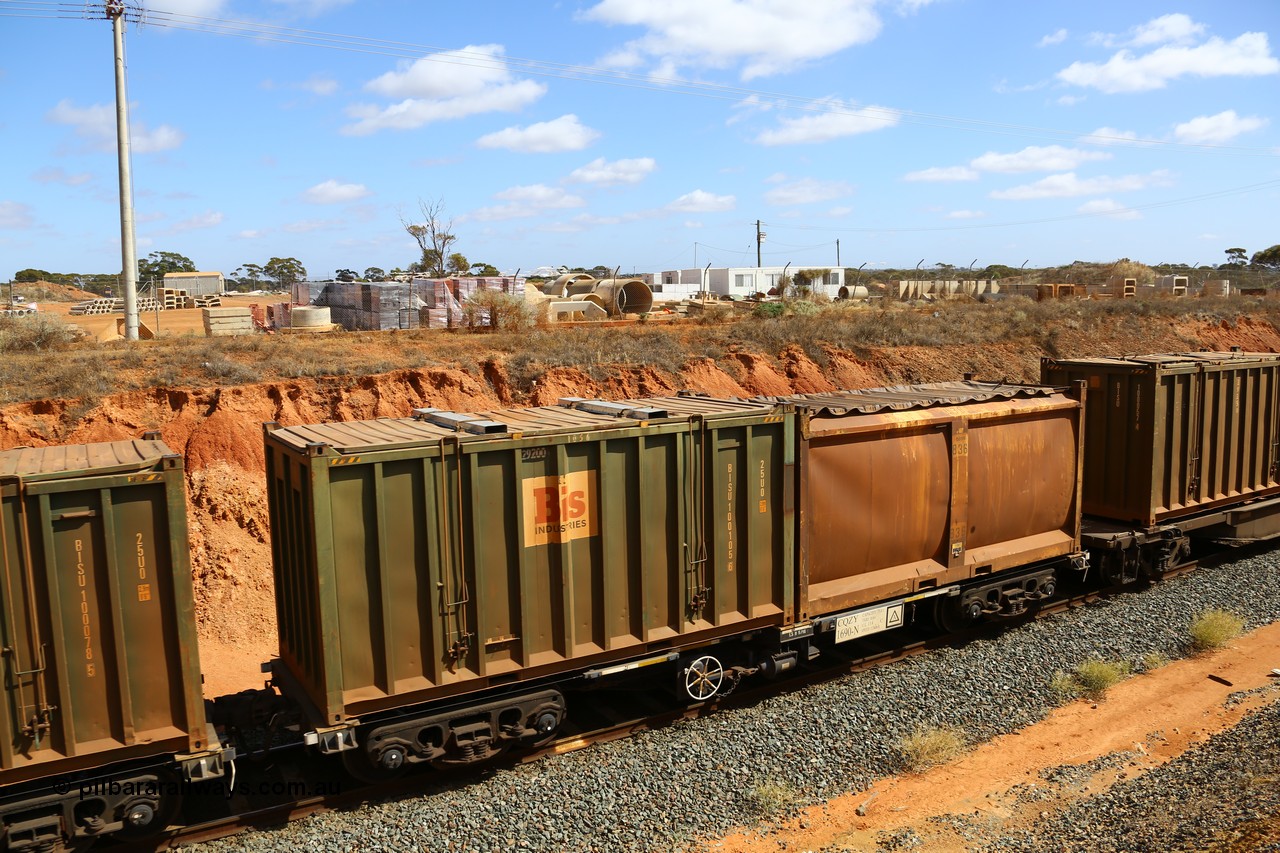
688	785
1057	784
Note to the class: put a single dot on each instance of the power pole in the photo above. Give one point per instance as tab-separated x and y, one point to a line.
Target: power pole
837	252
760	235
116	11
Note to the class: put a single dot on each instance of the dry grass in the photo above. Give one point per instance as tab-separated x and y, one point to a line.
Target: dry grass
1091	679
1214	629
86	369
929	746
772	798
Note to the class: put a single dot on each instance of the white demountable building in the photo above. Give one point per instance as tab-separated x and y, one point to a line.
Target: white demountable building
738	282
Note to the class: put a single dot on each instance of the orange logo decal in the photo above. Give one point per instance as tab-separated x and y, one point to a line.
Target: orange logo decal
559	509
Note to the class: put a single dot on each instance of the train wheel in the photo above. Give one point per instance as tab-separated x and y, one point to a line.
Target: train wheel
391	763
703	678
955	614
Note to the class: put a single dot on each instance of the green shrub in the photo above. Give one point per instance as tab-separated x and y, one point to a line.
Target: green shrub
1214	629
1095	676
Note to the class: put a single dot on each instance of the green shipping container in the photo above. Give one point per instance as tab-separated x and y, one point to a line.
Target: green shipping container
427	557
96	618
1172	435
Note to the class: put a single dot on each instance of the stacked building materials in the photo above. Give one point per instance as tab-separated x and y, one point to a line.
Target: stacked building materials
113	306
173	298
219	322
452	302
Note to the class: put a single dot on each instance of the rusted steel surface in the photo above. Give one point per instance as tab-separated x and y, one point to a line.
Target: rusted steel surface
1173	435
421	558
904	489
97	623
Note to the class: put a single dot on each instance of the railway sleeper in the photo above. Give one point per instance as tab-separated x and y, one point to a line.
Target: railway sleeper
462	735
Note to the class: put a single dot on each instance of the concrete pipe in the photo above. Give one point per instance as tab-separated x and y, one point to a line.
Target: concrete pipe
560	287
310	315
593	298
625	295
577	288
856	291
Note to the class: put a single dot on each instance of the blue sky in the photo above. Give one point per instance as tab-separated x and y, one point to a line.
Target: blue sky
646	134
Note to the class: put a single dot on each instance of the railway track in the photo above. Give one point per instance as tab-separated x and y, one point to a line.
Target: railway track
615	714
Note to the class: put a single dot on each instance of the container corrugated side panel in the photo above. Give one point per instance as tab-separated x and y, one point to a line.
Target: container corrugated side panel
894	502
459	563
99	620
1172	435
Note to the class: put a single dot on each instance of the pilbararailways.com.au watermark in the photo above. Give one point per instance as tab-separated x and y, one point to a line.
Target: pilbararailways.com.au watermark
160	788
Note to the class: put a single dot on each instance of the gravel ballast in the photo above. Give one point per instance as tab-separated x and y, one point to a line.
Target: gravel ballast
664	789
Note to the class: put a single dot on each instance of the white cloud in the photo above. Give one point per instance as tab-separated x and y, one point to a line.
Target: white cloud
1110	208
58	175
527	201
15	216
1111	136
910	7
766	36
548	137
1036	158
1057	37
1070	100
97	125
1248	55
1167	29
1216	129
836	121
250	234
965	214
332	192
1068	185
318	85
940	174
443	86
807	191
701	201
208	219
1176	28
603	173
839	211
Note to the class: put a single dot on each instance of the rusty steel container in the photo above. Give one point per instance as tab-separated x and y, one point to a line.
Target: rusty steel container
907	489
96	616
425	557
1169	436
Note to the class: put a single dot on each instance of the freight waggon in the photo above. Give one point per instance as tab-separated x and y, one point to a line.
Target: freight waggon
101	713
1179	445
448	585
441	579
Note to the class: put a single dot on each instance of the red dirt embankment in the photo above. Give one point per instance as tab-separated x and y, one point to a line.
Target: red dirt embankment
220	433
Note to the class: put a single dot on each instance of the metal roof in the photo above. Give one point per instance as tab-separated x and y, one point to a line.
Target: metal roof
572	415
100	458
1168	359
899	398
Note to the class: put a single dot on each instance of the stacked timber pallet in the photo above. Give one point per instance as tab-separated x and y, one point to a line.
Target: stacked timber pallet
220	322
209	301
